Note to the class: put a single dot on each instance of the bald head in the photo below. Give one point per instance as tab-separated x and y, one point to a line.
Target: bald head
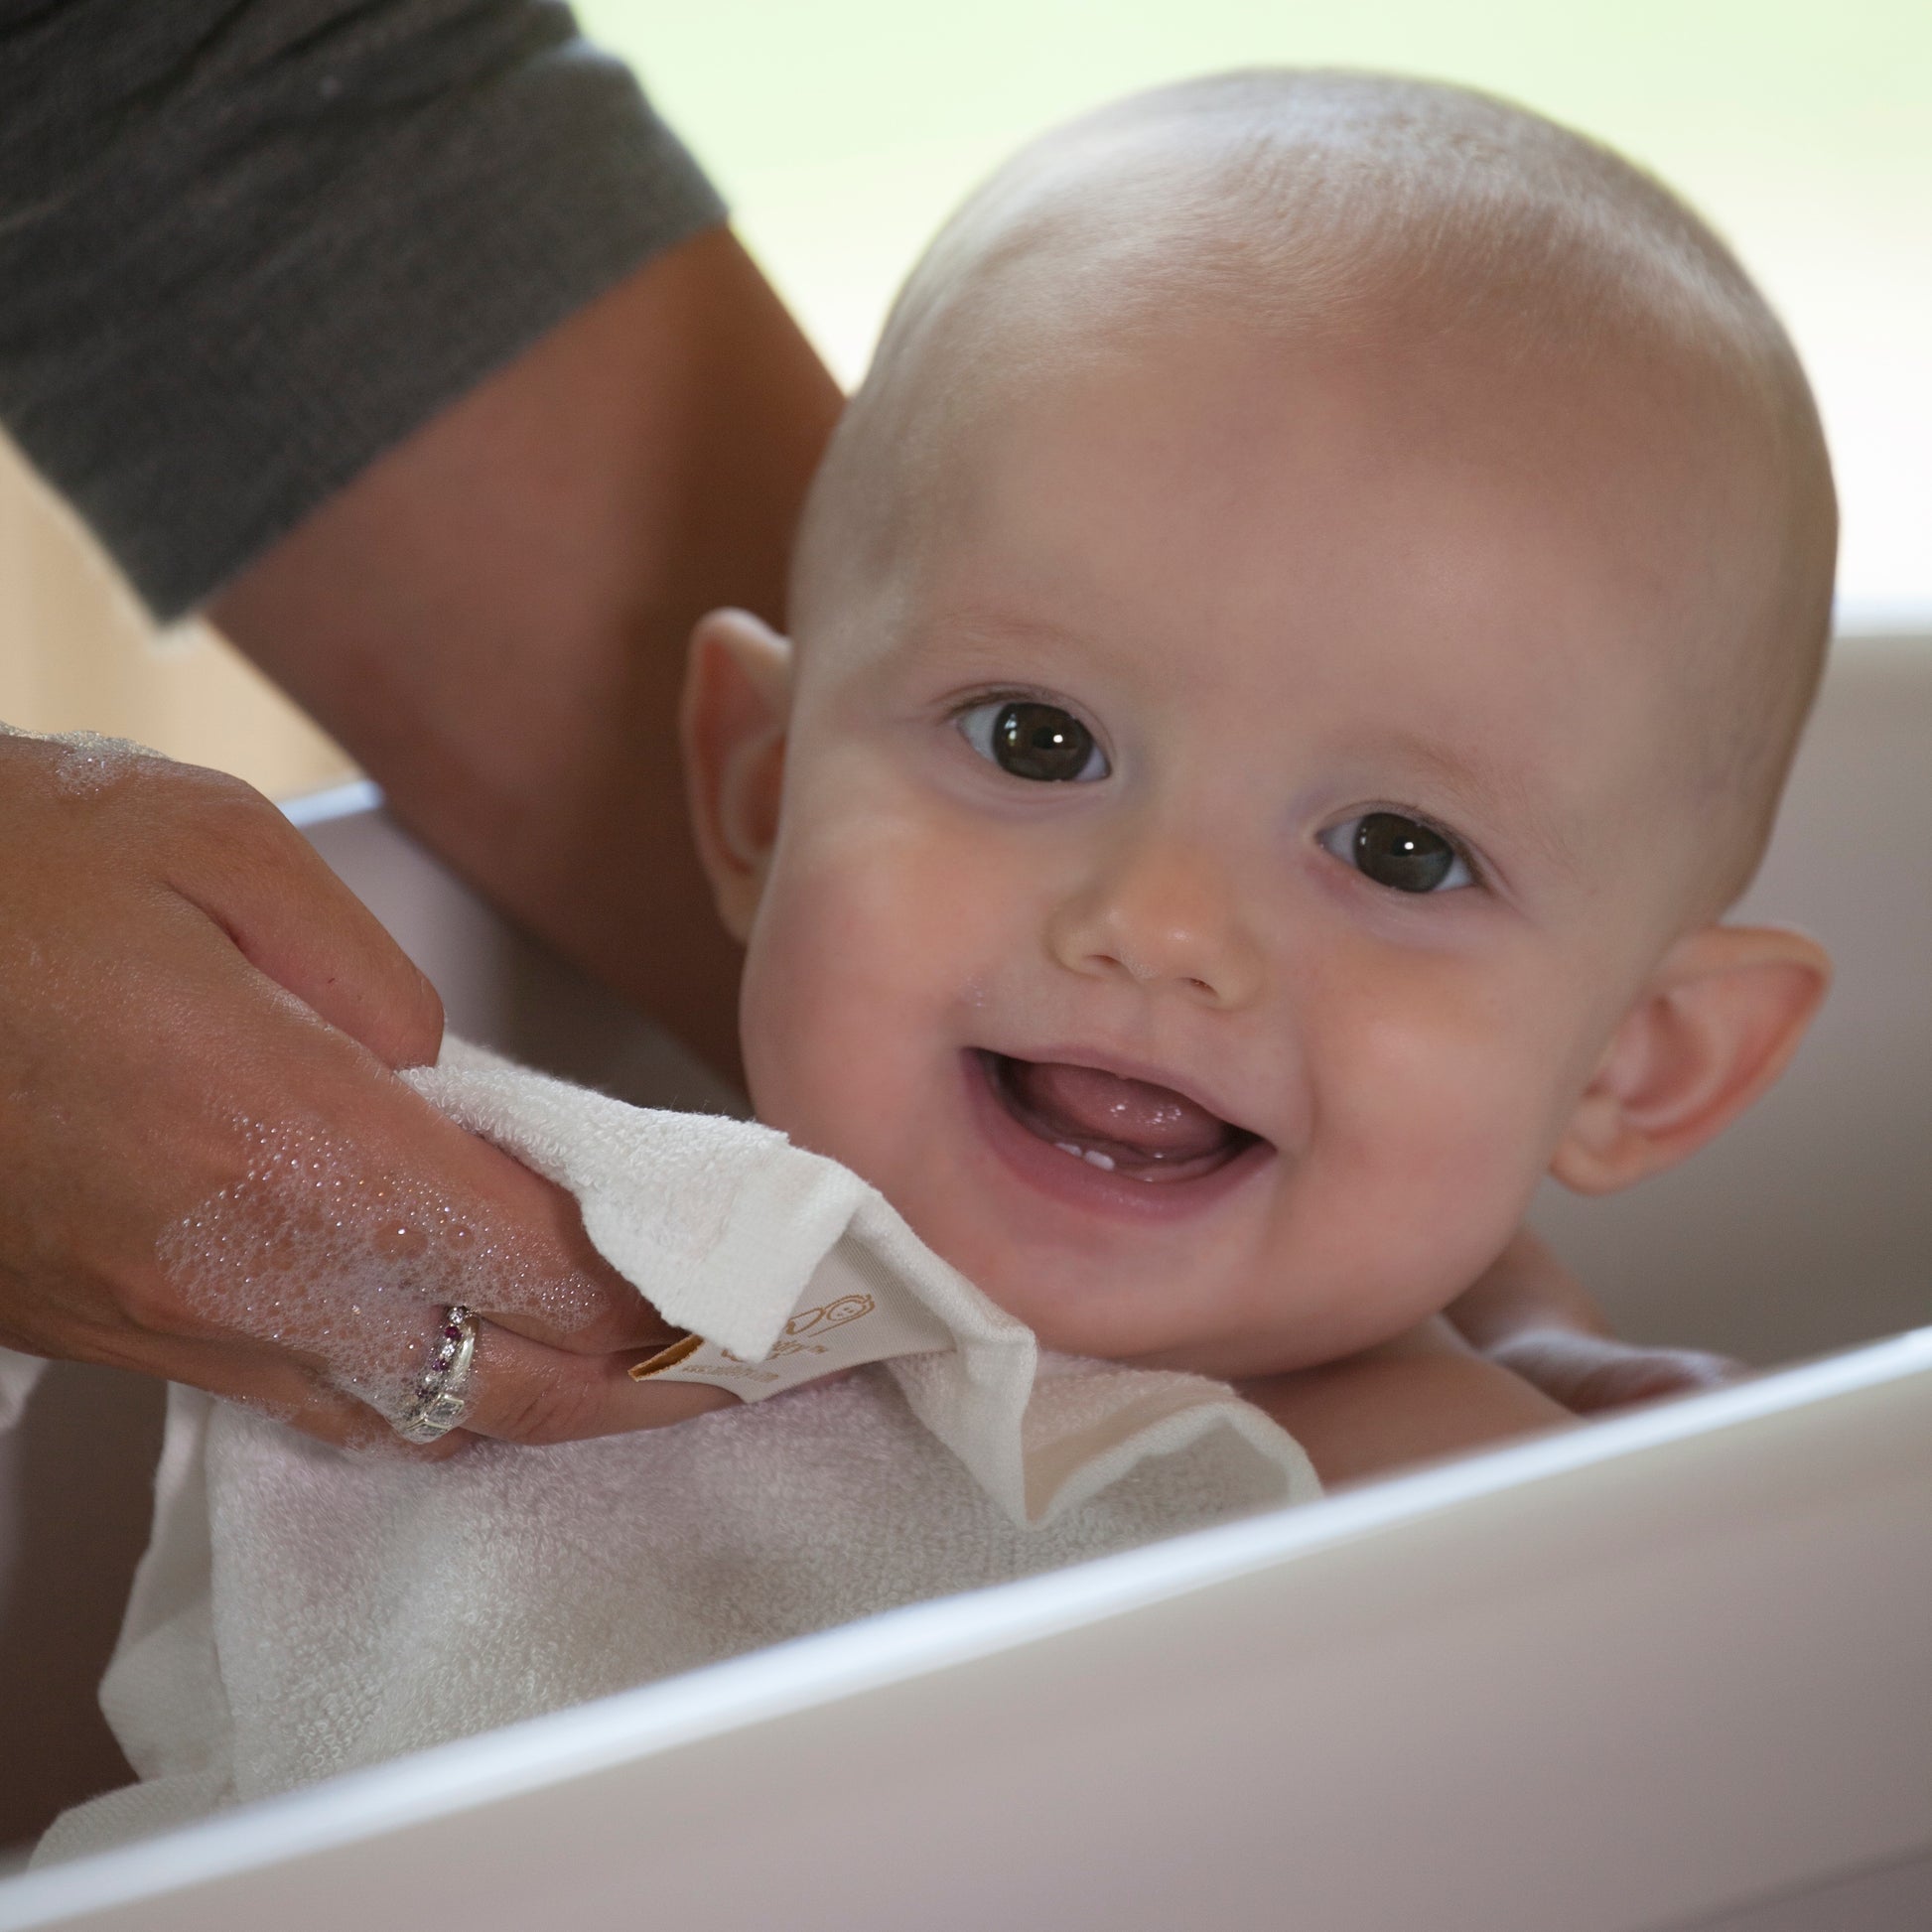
1415	228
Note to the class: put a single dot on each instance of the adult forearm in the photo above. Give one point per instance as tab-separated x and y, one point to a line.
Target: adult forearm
492	618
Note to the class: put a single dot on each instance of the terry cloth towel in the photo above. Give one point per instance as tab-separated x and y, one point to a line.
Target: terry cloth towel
301	1612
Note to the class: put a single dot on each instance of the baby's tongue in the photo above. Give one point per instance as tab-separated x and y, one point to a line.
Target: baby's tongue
1103	1111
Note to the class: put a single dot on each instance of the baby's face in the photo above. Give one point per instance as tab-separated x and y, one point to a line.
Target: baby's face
1214	854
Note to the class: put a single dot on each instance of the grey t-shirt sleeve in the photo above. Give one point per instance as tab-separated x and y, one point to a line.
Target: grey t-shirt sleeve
246	247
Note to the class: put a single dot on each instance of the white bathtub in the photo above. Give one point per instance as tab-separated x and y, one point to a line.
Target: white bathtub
1671	1671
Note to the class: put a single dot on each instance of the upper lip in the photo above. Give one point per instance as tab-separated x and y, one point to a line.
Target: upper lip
1128	1069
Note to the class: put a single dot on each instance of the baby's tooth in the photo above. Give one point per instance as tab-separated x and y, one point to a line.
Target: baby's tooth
1092	1155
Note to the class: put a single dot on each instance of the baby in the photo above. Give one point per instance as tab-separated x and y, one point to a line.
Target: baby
1296	646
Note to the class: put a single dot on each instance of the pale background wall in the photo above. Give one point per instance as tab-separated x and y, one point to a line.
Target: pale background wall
843	132
76	652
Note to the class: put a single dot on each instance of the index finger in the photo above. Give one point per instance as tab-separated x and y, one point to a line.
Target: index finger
546	1280
297	927
366	1205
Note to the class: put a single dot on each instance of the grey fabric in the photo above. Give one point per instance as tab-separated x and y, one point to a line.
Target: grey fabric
246	247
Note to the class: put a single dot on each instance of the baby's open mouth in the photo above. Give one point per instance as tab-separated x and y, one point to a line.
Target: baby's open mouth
1132	1128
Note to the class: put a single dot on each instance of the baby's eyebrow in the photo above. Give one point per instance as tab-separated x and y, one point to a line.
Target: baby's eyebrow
988	640
1494	792
987	632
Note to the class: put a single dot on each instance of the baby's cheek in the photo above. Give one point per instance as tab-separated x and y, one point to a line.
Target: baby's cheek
818	1018
1438	1128
859	951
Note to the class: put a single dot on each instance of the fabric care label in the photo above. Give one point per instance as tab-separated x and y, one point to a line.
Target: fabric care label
854	1309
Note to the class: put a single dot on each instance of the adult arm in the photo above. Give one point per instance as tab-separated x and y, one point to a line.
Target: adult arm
407	340
492	619
413	329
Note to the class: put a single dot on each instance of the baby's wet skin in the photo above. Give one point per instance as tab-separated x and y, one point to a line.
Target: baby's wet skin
1238	831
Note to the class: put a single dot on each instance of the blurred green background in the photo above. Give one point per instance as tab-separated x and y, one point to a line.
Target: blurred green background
843	132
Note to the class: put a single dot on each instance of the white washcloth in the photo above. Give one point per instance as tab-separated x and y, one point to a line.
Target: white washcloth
301	1612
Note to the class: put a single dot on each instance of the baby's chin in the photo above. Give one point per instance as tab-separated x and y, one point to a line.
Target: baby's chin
1198	1313
1176	1294
1109	1311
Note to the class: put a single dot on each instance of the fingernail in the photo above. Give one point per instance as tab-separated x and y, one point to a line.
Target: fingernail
663	1358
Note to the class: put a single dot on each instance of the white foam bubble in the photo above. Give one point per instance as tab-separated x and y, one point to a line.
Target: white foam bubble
92	761
89	760
351	1267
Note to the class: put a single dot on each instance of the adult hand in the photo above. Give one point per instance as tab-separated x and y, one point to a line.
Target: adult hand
209	1169
1530	1315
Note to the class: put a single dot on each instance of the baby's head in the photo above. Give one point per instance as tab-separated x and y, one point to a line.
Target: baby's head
1295	646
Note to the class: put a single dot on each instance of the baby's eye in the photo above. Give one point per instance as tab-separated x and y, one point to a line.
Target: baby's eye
1033	740
1401	852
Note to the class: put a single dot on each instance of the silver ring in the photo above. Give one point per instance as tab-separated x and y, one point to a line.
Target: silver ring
443	1388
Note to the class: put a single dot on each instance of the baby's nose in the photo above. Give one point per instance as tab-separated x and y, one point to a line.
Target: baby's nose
1164	916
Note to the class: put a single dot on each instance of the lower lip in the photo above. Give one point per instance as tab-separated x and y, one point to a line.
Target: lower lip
1078	1183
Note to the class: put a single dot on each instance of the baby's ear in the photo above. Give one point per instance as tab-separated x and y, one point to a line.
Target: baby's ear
1710	1032
737	704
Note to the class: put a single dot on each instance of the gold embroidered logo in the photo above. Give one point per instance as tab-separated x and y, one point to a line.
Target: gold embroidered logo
799	1338
814	1321
834	1314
